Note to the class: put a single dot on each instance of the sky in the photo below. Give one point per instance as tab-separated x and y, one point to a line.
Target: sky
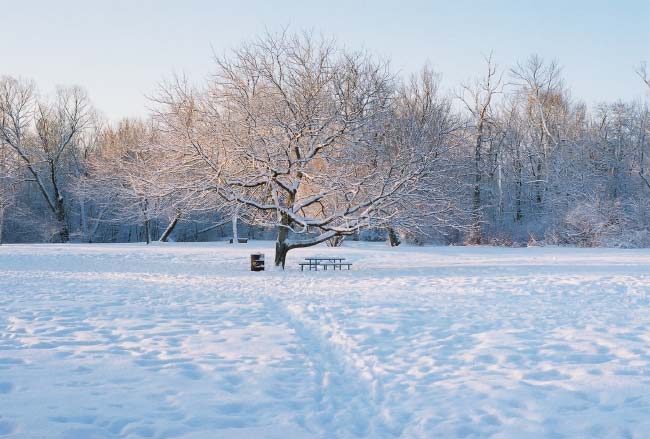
120	50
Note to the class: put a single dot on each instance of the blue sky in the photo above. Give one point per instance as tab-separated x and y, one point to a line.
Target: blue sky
118	50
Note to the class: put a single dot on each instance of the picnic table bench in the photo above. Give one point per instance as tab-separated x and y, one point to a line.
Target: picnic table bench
320	261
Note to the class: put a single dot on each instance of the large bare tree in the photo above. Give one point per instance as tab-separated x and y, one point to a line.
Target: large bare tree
294	130
305	123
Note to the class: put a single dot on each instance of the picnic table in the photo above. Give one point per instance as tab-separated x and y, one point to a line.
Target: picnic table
324	261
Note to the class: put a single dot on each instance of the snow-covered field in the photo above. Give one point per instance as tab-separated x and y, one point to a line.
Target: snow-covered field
165	341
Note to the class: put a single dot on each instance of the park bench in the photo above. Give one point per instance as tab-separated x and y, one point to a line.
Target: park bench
334	262
240	240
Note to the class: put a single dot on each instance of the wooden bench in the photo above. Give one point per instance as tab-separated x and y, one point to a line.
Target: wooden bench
240	240
314	262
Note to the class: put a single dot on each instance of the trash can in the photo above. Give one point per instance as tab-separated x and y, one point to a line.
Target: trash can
257	262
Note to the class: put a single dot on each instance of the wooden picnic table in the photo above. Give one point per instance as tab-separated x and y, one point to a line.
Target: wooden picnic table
324	261
323	258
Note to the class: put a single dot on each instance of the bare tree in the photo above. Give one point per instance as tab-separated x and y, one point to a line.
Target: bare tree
293	129
542	95
122	176
9	179
40	133
423	123
190	152
478	99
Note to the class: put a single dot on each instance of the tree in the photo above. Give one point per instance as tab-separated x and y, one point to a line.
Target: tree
41	132
292	129
90	212
643	129
122	176
422	123
189	152
9	179
542	96
478	100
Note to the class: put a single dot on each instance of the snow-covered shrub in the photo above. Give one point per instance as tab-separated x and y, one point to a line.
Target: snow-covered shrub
634	225
502	240
587	224
532	241
594	222
634	239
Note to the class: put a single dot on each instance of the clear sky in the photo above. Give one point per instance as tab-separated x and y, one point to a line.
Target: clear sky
119	49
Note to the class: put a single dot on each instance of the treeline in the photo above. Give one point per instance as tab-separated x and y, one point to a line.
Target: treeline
296	137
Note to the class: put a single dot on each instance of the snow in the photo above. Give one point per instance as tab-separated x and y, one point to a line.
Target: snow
182	340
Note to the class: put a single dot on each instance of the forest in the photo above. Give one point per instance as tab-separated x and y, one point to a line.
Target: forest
295	138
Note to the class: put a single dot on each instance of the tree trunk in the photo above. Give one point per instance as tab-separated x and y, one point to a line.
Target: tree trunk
281	246
147	236
393	237
82	217
170	228
538	184
235	236
59	207
2	222
518	188
3	191
616	168
281	250
64	232
475	232
500	191
335	241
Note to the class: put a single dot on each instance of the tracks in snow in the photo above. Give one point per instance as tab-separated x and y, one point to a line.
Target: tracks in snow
349	392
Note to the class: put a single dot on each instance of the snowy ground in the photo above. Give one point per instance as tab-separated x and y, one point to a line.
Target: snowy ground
102	341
